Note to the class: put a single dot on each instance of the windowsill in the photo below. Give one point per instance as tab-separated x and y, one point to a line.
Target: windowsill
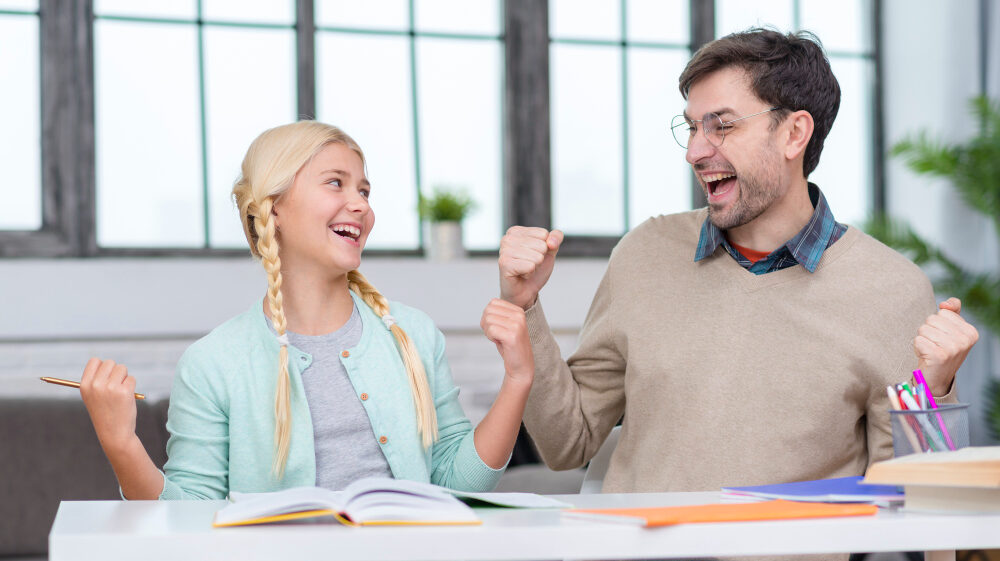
181	297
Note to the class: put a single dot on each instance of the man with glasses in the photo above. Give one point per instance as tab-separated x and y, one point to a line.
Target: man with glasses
749	342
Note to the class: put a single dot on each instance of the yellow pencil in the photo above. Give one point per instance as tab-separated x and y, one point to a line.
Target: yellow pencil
72	384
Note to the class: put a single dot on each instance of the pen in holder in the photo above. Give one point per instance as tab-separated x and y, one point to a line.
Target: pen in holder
930	430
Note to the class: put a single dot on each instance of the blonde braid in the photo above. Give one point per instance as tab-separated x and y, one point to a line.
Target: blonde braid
267	247
423	401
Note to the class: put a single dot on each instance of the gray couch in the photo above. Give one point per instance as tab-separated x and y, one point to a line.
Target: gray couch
49	453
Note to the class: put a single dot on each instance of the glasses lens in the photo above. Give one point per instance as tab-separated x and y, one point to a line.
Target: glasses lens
712	125
683	131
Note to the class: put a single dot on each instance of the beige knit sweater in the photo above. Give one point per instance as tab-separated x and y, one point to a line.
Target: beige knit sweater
725	377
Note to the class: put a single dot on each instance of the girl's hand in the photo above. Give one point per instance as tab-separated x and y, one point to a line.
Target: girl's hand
505	324
109	394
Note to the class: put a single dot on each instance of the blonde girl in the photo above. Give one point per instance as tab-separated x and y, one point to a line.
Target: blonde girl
324	380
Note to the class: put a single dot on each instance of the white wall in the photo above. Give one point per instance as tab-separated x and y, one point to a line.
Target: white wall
145	312
931	53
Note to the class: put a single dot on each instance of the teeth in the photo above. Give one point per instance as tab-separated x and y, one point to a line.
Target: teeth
717	177
347	229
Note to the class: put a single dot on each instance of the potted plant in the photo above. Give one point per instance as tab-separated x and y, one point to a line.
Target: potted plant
973	168
442	213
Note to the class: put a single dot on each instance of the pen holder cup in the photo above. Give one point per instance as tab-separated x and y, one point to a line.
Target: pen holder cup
930	430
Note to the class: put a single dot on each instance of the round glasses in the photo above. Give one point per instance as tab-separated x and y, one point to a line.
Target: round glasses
711	124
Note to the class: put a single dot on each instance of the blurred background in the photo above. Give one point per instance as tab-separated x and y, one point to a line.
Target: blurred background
123	123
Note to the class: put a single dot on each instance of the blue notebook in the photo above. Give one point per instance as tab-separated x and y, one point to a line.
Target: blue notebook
839	490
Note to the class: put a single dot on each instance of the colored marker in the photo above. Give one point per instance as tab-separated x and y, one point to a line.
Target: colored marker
928	428
919	377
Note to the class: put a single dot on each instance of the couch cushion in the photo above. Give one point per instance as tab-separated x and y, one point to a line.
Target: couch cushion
49	453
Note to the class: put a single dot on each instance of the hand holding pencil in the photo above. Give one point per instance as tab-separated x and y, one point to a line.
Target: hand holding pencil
72	384
109	395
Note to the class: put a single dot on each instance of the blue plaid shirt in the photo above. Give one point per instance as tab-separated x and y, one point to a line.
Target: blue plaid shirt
805	248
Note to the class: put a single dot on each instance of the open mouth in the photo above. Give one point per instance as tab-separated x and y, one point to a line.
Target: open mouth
719	183
347	231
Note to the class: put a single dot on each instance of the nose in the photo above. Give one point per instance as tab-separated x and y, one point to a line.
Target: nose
699	148
358	203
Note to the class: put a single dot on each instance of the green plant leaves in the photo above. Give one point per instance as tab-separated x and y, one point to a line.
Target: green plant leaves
446	206
974	170
973	167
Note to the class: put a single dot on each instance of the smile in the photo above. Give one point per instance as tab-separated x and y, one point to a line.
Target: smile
718	183
348	232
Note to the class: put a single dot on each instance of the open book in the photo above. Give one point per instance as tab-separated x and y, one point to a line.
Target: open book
370	501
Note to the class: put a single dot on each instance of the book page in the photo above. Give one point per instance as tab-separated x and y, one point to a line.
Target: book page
511	500
383	500
250	506
972	454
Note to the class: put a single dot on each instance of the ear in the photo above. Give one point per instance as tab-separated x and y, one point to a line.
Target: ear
275	216
800	129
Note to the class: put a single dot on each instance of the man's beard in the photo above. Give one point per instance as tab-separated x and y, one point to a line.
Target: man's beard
758	190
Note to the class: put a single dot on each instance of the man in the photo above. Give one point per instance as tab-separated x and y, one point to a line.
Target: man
750	342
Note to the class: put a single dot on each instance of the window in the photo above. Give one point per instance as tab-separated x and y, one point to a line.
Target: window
846	172
418	85
20	136
179	95
548	113
614	68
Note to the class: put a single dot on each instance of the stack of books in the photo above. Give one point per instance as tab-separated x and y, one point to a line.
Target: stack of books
965	480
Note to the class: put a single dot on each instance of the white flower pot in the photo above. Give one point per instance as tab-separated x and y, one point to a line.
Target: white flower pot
444	241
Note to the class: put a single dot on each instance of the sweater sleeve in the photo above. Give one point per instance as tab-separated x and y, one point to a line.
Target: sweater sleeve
574	404
900	361
454	460
198	449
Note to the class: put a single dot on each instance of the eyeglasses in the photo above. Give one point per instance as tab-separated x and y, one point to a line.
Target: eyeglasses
711	124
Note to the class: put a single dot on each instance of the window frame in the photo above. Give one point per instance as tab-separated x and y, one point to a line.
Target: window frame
67	139
68	151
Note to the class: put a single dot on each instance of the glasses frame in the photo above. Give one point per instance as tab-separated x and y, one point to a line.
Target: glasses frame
674	123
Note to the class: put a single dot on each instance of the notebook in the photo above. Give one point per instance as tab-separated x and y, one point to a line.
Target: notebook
837	490
732	512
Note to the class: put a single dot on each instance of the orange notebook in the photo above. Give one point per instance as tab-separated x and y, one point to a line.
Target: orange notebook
736	512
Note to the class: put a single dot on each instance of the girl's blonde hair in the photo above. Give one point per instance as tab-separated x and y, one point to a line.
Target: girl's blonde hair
268	170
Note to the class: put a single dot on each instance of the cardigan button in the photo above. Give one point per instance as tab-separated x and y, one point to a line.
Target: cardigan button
345	354
382	440
364	397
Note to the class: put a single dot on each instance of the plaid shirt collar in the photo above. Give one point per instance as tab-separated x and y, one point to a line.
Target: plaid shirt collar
805	248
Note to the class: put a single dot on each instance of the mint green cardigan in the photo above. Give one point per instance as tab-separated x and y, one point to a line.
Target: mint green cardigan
221	415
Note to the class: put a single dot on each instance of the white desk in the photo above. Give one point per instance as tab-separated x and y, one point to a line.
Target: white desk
181	530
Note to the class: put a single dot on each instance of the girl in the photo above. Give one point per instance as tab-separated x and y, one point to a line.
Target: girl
324	381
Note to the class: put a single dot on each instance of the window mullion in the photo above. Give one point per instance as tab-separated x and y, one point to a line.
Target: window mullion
67	91
878	124
305	54
416	117
702	32
625	112
527	158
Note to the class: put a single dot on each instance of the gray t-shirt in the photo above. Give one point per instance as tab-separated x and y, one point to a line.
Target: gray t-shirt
346	448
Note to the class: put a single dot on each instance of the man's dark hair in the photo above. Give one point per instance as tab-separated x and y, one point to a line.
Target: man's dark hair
787	71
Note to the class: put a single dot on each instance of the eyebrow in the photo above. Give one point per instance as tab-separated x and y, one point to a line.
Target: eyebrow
719	112
364	180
